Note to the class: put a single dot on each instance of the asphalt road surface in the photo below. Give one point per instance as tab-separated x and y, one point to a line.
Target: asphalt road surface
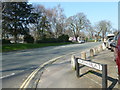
17	65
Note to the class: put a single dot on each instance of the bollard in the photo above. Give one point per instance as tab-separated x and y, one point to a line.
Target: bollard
96	50
73	62
101	48
91	52
83	55
104	76
103	45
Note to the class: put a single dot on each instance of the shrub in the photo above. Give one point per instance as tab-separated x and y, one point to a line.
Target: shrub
47	40
63	38
91	40
4	41
29	39
86	39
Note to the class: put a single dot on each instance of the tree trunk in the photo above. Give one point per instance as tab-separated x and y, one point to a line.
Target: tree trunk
103	36
75	35
15	32
15	38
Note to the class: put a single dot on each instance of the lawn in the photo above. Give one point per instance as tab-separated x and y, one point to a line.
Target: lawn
14	47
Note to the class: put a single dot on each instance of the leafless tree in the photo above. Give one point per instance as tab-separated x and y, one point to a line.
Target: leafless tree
103	27
77	23
57	19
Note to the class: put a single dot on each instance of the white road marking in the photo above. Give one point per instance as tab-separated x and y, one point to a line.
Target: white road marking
7	75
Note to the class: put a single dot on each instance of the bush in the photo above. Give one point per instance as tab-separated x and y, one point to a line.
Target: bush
63	38
91	40
86	39
47	40
29	39
4	41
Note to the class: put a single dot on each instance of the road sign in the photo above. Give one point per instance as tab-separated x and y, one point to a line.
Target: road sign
101	67
90	64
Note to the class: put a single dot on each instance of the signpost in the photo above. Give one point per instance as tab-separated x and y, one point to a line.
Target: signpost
98	66
90	64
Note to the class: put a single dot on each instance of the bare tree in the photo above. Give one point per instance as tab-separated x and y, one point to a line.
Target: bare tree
91	31
57	19
103	27
115	31
77	23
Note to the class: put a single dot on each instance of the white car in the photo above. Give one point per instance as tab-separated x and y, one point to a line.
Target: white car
80	41
109	41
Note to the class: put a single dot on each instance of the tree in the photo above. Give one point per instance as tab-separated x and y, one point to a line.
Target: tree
103	27
91	31
115	31
16	17
57	19
77	23
28	39
41	25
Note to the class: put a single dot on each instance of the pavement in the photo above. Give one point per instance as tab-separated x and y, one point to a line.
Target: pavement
60	74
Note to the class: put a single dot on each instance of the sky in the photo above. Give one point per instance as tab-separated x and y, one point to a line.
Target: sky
95	11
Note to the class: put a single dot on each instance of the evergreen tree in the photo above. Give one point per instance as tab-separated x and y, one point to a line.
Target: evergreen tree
16	16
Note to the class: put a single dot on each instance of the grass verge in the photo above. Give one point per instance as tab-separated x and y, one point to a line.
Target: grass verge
14	47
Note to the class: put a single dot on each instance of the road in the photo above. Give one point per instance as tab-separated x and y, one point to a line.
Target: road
17	65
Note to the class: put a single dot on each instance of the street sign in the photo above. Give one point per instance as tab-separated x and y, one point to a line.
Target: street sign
90	64
101	67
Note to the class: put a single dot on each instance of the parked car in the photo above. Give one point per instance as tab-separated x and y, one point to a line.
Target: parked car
114	42
80	40
109	41
116	46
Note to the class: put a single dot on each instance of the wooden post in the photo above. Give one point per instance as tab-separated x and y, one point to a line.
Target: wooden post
77	67
104	76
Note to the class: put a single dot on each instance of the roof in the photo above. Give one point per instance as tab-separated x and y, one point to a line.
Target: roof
110	35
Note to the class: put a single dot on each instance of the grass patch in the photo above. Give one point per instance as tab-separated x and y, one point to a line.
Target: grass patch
14	47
